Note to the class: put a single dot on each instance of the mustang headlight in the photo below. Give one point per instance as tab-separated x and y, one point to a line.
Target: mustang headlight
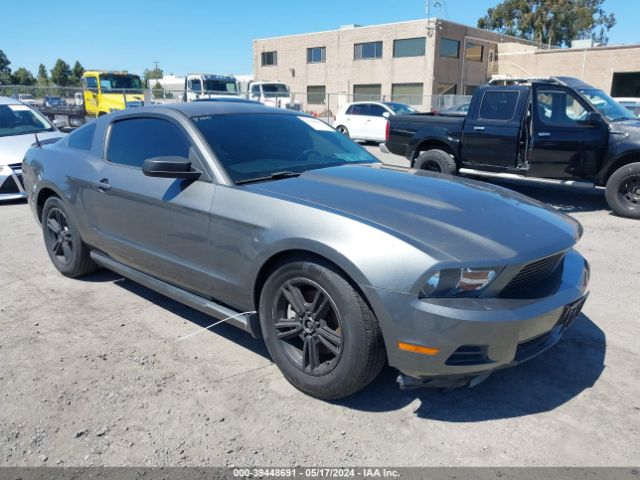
455	282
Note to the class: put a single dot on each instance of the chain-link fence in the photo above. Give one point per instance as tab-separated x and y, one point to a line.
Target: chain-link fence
322	104
315	102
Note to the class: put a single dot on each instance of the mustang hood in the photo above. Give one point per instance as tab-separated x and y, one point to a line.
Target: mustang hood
13	147
468	220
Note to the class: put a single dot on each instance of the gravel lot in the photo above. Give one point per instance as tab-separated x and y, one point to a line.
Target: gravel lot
90	374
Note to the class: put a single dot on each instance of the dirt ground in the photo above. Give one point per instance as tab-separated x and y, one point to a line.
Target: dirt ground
90	374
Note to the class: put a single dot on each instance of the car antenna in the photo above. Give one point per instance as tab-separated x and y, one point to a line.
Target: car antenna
38	144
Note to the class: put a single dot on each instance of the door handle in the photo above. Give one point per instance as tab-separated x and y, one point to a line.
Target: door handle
479	129
544	134
103	185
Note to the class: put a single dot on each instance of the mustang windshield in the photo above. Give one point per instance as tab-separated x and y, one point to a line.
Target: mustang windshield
19	119
606	105
258	146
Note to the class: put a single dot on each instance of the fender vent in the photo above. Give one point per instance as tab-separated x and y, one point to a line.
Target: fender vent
469	355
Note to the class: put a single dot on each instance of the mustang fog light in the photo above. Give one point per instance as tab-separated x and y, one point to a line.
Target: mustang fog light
458	282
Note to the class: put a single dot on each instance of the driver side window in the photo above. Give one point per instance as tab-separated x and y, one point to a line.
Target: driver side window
559	107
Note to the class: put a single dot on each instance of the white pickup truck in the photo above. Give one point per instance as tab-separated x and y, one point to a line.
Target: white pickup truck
200	86
273	94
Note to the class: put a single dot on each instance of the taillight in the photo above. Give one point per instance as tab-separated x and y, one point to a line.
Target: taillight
386	133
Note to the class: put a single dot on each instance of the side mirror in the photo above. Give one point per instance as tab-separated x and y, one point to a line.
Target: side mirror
386	114
60	122
170	167
594	118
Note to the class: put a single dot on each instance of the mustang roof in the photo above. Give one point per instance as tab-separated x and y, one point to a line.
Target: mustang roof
199	109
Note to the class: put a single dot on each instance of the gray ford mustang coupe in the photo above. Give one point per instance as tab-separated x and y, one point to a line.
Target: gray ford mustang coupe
276	222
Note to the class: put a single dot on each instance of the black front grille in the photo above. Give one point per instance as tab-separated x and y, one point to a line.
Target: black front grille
9	186
533	273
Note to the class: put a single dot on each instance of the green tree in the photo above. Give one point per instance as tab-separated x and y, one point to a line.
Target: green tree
5	71
554	22
76	73
43	76
22	76
158	91
61	73
152	74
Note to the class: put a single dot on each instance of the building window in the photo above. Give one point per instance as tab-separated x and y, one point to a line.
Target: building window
364	51
447	89
498	105
363	93
269	59
316	95
410	93
317	55
474	52
409	47
449	48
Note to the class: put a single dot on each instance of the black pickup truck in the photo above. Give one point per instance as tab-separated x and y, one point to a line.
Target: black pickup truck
558	129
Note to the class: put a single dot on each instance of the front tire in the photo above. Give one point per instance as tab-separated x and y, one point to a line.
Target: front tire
319	331
67	251
623	191
436	161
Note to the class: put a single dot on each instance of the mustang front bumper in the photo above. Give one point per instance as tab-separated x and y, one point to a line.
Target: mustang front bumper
471	337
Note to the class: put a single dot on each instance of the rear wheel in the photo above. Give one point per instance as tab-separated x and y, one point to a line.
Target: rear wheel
343	130
623	191
319	331
436	161
67	251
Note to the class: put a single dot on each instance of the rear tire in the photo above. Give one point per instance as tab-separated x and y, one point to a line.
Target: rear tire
343	130
623	191
67	251
319	331
436	161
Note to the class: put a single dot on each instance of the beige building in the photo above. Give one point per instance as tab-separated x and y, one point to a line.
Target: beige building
428	63
408	61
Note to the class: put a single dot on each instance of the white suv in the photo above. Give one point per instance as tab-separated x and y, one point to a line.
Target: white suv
368	120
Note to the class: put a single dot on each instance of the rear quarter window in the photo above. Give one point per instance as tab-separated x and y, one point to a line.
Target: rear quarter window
498	105
82	139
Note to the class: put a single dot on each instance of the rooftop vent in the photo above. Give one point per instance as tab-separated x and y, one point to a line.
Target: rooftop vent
349	26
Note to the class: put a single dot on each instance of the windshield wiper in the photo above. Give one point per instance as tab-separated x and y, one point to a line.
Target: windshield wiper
273	176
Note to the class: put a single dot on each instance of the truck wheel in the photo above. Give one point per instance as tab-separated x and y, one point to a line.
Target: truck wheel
623	191
343	130
67	251
319	331
436	161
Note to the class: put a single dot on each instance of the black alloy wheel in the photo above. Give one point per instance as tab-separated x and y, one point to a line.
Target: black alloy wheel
318	329
308	325
65	247
58	236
